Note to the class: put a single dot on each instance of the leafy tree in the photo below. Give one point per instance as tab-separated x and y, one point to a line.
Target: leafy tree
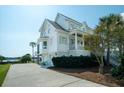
26	58
110	34
32	44
95	43
2	58
107	26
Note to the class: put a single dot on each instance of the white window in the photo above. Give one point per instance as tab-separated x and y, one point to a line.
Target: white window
72	41
44	44
62	40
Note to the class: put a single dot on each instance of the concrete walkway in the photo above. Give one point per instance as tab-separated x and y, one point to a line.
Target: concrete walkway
32	75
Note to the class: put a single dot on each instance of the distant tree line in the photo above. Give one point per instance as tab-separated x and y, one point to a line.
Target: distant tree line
24	59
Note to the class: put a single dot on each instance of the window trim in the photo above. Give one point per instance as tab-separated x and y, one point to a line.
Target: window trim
44	46
62	40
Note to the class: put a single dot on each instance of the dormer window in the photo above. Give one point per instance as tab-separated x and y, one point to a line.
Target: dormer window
70	26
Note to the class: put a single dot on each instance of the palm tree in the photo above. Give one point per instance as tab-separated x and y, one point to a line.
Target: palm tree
118	35
108	25
32	44
105	24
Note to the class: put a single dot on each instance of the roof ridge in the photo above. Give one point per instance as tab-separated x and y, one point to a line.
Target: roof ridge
56	25
49	19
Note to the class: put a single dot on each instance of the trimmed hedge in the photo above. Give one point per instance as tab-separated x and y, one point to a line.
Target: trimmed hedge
74	61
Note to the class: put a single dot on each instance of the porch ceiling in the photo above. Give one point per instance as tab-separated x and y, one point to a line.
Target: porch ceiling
79	32
76	31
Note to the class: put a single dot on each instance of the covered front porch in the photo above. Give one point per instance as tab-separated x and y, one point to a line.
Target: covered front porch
76	40
77	43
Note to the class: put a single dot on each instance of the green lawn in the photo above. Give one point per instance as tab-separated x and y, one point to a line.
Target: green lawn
3	71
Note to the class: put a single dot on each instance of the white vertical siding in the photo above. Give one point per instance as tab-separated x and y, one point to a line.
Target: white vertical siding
52	39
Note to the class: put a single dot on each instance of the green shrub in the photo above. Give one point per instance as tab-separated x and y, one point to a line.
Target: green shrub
26	58
115	71
74	61
2	58
122	60
118	71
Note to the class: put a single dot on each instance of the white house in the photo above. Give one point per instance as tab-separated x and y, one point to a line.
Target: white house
62	37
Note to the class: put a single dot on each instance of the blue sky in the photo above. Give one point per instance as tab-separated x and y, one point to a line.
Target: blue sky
20	24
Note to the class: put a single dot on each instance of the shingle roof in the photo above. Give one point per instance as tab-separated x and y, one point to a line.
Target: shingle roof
74	20
70	18
57	26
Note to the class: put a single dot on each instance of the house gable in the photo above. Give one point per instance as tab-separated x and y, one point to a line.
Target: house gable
70	24
43	29
47	28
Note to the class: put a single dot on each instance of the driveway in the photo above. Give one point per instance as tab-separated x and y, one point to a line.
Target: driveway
32	75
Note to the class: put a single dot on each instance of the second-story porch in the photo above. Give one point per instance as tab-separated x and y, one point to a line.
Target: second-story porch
43	44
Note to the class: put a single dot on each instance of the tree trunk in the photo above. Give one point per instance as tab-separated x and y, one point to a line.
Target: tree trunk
101	66
108	55
108	48
33	54
101	70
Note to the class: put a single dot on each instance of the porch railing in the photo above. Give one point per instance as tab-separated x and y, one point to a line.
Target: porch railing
72	47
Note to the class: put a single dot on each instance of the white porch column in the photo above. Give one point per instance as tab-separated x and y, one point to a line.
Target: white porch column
76	41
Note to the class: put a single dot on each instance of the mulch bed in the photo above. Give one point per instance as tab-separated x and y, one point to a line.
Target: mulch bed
92	74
